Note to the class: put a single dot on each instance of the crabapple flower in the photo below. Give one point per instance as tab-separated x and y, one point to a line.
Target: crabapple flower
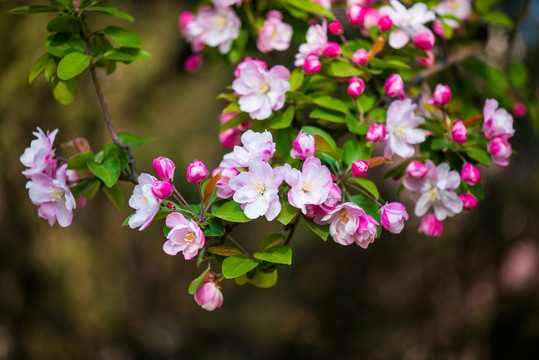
498	122
460	9
184	19
53	197
247	60
226	3
335	27
332	200
257	190
196	172
230	137
185	236
500	150
209	295
363	16
376	133
468	201
39	157
430	226
162	189
416	169
356	86
441	95
164	168
145	203
223	188
332	49
260	91
312	64
325	3
385	23
394	86
424	40
311	186
359	168
258	146
409	22
316	43
459	132
402	132
469	174
437	191
360	57
303	146
274	34
393	216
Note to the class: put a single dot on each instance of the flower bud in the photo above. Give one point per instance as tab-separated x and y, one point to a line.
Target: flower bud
500	150
438	28
394	86
164	168
312	64
469	174
332	49
162	189
303	146
519	109
376	132
355	15
393	217
428	61
459	132
359	168
441	95
356	86
209	295
430	226
193	63
384	23
360	57
416	169
468	201
335	27
424	40
196	172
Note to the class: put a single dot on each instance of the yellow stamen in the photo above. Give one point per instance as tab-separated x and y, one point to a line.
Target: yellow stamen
144	200
260	187
435	194
344	217
307	186
189	237
56	195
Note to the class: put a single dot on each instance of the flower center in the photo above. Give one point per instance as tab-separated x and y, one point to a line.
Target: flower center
453	5
144	200
343	218
307	186
263	88
260	187
434	194
400	132
189	237
56	195
220	22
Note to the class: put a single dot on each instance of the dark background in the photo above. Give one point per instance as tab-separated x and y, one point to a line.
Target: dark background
97	290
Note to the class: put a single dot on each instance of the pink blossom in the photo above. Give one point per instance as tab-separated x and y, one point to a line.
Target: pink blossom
459	132
312	211
39	157
261	91
500	150
335	27
441	95
409	22
356	86
193	63
385	23
145	203
162	189
416	169
246	61
363	3
519	109
257	190
223	188
226	3
209	295
424	40
230	137
184	19
258	146
468	201
437	191
402	131
469	174
430	226
303	146
355	15
274	34
376	133
393	216
196	172
325	3
394	86
428	61
360	168
363	16
311	186
438	28
185	236
312	64
164	168
332	200
360	57
332	49
460	9
316	42
53	196
498	122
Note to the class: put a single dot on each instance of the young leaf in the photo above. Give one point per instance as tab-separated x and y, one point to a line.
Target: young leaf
478	154
354	126
332	103
39	66
271	241
60	44
133	141
72	65
80	161
115	195
328	115
123	37
310	7
230	211
237	265
344	69
112	11
208	190
279	254
65	91
287	213
224	250
235	121
264	279
378	160
108	171
320	230
126	54
64	24
197	283
353	150
296	79
322	145
31	9
367	185
283	120
126	221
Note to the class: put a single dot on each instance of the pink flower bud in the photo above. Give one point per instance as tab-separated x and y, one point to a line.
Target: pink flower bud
500	150
424	40
355	15
193	63
185	18
360	57
416	169
164	168
519	109
359	168
312	65
170	205
209	295
356	86
468	201
394	86
335	27
430	226
230	138
393	216
312	211
303	146
385	23
438	28
81	202
376	132
469	174
162	189
429	60
442	95
196	172
332	49
459	132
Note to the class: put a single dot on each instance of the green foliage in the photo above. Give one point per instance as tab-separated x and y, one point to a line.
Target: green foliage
237	265
320	230
230	211
72	65
271	241
278	254
197	283
288	212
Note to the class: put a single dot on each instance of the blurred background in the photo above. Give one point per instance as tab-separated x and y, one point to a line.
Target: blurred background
97	290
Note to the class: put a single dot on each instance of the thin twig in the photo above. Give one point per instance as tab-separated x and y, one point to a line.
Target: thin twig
239	246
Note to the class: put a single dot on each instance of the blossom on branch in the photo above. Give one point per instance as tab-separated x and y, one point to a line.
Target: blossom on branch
209	295
402	131
185	236
144	202
274	34
39	157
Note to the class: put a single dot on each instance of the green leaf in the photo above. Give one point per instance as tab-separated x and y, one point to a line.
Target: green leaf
214	228
320	230
287	213
241	280
323	146
31	9
311	130
236	51
237	265
126	54
64	24
61	44
126	221
439	144
197	283
80	161
112	11
434	127
366	101
224	250
230	211
353	150
477	191
483	5
369	185
65	91
388	64
354	126
478	154
332	103
518	73
299	97
108	171
111	148
72	65
310	7
296	79
344	69
264	279
328	115
279	254
115	195
39	66
82	186
133	141
367	204
283	120
271	241
498	18
123	37
235	121
92	189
